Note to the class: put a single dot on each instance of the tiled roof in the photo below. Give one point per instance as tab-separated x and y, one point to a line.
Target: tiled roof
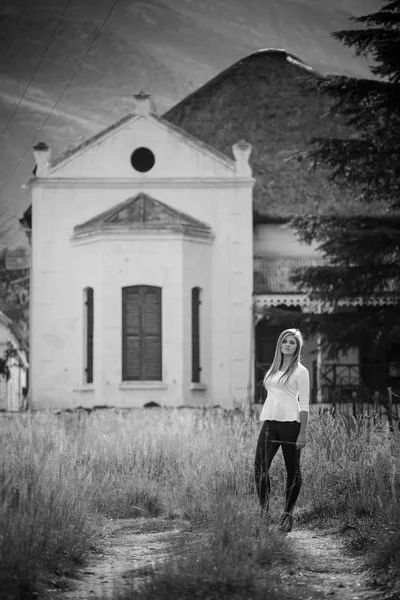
271	275
142	212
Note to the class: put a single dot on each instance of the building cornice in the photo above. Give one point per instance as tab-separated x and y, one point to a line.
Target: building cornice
143	183
134	235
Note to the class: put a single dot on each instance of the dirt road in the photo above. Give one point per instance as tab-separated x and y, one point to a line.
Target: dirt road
133	548
327	571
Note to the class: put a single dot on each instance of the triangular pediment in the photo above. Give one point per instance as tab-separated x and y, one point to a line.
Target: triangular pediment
110	153
142	212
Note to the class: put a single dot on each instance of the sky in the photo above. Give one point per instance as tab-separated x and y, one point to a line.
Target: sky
69	68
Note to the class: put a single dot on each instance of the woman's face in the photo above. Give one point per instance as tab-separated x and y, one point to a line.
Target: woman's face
289	345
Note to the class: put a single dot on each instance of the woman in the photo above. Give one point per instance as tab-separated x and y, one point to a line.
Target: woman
285	416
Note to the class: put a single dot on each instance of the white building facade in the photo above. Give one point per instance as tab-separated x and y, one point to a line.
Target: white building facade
142	271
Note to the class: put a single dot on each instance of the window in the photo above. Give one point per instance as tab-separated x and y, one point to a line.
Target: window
89	335
196	369
142	160
141	333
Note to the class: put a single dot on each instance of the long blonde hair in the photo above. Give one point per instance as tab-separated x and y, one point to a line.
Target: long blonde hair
278	358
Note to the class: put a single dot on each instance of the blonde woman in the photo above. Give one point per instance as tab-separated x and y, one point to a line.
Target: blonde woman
285	418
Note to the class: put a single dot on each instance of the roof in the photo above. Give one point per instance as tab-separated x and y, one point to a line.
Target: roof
142	212
270	98
271	275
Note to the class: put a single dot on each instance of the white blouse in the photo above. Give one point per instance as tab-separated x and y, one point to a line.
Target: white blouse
284	402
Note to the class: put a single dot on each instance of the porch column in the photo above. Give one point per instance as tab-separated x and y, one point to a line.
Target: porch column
319	361
257	316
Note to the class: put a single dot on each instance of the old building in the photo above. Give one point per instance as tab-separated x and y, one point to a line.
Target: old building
158	245
141	281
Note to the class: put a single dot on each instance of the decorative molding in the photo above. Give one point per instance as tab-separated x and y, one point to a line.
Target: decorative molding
198	387
129	182
377	301
263	300
89	387
269	300
128	236
142	385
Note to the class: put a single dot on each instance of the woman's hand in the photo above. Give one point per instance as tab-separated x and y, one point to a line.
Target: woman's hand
301	441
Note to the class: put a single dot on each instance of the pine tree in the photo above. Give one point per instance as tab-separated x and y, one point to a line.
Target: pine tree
362	263
368	160
362	253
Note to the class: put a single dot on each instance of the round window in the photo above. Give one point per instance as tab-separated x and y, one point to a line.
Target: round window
142	160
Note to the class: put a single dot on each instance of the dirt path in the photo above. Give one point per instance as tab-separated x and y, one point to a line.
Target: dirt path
133	548
327	572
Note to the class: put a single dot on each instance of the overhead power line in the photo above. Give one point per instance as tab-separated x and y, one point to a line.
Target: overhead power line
61	95
36	69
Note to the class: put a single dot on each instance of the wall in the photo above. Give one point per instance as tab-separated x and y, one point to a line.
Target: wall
61	270
108	266
275	240
197	269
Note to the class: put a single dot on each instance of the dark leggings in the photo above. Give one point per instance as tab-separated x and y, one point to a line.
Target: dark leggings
272	435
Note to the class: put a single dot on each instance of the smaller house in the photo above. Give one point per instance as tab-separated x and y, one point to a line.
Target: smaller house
13	369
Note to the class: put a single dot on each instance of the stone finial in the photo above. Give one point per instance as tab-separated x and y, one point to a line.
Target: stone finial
144	104
41	153
241	152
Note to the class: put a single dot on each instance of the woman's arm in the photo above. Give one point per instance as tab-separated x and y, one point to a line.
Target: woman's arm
303	384
303	421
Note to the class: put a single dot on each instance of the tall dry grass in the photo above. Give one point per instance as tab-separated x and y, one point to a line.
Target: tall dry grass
352	476
60	476
46	504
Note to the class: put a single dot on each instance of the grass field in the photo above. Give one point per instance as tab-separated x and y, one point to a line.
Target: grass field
61	476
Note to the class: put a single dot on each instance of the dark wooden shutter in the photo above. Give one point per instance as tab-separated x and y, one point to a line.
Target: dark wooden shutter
131	355
89	334
151	320
196	369
141	327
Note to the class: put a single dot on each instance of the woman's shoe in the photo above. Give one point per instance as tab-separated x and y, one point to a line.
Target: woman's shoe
286	523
